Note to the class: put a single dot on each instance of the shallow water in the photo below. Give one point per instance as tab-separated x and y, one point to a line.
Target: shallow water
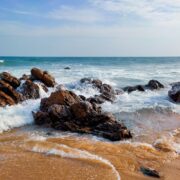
152	118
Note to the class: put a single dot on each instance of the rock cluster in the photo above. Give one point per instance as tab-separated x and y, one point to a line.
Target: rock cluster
14	90
107	93
66	111
152	85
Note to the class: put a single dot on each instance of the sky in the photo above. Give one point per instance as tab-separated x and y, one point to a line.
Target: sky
89	27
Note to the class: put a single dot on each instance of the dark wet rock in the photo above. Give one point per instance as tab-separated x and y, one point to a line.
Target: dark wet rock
11	80
82	97
67	68
130	89
25	77
30	90
41	118
95	82
149	172
61	97
43	76
154	84
96	99
10	91
66	111
174	93
107	93
119	91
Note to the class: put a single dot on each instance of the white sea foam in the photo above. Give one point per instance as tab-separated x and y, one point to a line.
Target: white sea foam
17	115
1	61
68	152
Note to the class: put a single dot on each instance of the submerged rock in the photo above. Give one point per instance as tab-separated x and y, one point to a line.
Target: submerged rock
174	93
149	172
130	89
107	93
152	85
64	110
43	76
67	68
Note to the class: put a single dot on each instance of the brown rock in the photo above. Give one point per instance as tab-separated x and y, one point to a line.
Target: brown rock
43	76
61	97
30	90
9	90
154	84
11	80
6	100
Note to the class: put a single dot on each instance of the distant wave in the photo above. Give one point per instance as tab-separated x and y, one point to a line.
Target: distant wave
1	61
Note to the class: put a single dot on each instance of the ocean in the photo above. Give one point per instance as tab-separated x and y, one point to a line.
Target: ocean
151	116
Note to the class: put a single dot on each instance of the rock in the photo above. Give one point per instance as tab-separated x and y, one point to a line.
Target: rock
98	99
61	97
43	76
67	68
95	82
174	93
66	111
154	84
107	92
30	90
82	97
41	118
81	110
149	172
11	80
10	91
25	77
130	89
6	100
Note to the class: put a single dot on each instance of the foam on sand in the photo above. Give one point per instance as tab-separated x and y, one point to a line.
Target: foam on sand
65	151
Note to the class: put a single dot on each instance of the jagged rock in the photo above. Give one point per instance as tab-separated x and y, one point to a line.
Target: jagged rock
174	93
43	76
149	172
10	91
11	80
154	84
107	92
30	90
130	89
82	109
64	110
61	97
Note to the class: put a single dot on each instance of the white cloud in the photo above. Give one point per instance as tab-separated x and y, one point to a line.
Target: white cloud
154	10
75	14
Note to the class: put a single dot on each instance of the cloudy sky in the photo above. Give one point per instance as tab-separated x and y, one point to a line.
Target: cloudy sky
90	27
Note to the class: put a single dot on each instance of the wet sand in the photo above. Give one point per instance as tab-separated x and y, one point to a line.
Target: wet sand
19	160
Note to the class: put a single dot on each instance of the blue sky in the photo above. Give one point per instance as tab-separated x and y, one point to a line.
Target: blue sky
90	27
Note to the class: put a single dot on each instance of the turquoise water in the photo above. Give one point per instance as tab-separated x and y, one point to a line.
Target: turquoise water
139	111
120	71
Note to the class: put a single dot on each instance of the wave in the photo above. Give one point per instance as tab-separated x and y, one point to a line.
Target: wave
20	114
2	61
65	151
